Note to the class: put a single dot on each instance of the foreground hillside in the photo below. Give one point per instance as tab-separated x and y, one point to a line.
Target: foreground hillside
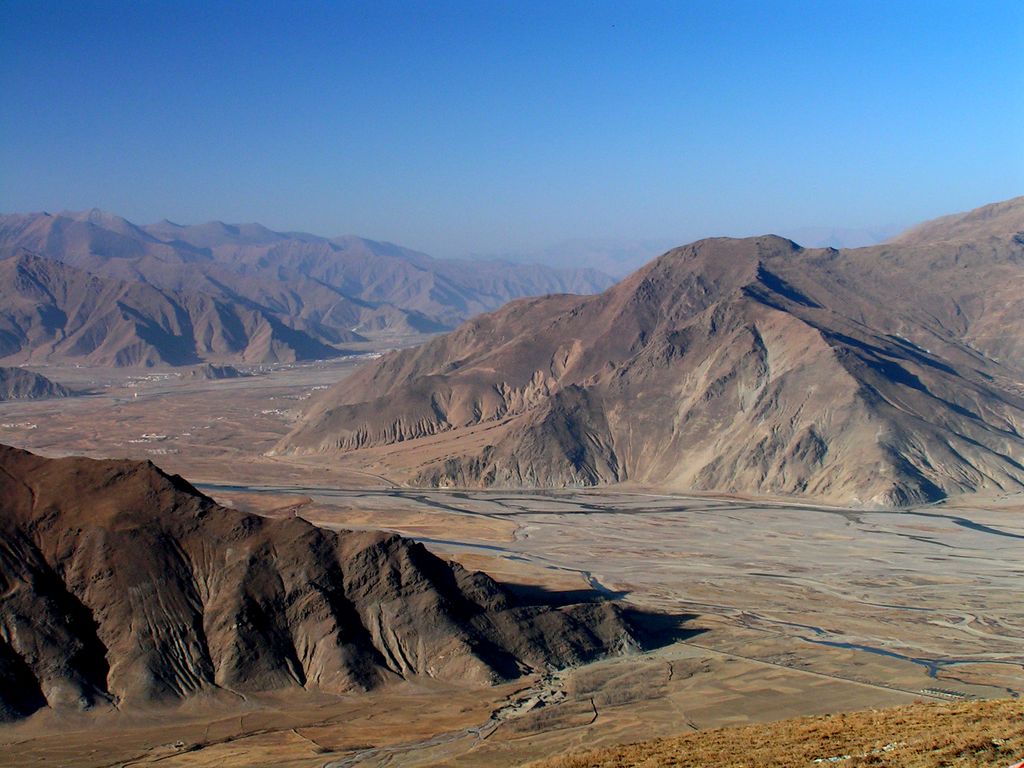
986	734
887	375
121	585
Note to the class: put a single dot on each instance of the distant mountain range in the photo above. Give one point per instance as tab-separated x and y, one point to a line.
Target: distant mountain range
887	375
94	288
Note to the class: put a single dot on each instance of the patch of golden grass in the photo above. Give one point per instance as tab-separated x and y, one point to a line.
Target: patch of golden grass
984	734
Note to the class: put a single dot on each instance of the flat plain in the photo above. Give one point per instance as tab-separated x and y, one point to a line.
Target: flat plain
773	608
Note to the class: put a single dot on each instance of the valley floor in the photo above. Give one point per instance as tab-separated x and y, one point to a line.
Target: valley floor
779	609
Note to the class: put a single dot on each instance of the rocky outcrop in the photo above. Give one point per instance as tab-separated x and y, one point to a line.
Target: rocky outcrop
211	372
20	384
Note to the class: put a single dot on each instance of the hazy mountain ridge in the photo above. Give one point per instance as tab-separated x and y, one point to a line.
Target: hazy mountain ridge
333	291
616	256
840	237
52	312
885	375
121	584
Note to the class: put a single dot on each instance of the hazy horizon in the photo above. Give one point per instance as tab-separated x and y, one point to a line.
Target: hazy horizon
615	256
460	128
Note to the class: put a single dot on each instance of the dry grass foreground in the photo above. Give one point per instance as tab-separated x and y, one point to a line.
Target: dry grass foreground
985	734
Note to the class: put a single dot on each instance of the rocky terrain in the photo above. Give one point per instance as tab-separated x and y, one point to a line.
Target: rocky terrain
887	375
19	384
251	294
211	372
122	585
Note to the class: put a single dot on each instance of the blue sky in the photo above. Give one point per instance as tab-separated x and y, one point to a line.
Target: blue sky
489	126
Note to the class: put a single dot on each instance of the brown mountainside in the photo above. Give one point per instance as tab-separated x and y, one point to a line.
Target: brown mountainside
883	375
52	312
121	584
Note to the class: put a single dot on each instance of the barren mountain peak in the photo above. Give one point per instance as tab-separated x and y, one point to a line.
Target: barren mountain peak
266	296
